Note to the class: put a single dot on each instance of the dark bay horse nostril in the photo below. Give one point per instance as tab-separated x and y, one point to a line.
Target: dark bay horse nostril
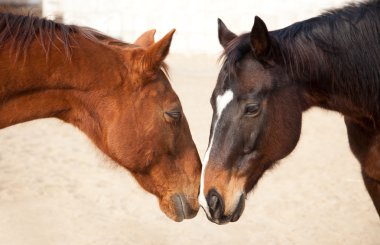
216	204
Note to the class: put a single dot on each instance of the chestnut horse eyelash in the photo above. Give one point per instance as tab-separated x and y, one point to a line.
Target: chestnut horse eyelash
174	114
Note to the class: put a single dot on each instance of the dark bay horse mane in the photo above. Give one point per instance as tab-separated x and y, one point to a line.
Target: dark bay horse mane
335	45
22	29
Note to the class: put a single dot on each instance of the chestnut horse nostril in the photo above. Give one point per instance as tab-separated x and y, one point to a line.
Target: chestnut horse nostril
183	208
216	204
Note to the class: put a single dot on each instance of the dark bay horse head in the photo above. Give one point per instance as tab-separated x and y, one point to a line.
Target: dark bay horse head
256	121
116	93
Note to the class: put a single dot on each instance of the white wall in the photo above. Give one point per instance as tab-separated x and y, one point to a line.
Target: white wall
32	2
195	21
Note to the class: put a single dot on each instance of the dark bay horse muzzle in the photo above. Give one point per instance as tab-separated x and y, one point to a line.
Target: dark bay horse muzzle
217	210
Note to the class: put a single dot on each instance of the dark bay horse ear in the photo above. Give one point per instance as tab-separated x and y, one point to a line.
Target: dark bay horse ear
146	39
225	36
260	40
157	52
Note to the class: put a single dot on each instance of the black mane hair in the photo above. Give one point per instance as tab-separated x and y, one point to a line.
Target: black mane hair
340	48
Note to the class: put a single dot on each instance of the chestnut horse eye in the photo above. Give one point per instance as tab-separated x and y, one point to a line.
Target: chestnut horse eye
176	115
252	109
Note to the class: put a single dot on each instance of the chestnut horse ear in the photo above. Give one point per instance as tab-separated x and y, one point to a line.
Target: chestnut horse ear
157	52
225	36
260	40
146	39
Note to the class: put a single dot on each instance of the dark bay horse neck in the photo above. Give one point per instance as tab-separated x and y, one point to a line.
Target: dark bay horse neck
335	59
116	93
269	78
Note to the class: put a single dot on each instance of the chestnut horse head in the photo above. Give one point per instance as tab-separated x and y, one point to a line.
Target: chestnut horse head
256	121
149	134
117	93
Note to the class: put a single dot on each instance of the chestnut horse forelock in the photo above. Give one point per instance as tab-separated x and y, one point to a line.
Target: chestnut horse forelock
116	93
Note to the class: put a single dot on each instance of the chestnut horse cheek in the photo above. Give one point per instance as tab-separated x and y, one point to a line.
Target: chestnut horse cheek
172	177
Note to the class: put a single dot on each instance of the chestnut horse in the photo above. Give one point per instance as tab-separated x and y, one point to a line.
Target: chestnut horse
269	78
118	94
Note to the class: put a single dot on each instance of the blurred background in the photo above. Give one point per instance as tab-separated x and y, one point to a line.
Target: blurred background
57	188
194	20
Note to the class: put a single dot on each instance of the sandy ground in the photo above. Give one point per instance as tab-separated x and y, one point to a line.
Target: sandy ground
56	188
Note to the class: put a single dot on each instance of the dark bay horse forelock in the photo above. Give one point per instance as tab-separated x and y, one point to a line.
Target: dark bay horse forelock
118	94
330	61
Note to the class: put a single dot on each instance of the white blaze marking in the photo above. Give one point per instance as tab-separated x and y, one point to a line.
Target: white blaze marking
221	103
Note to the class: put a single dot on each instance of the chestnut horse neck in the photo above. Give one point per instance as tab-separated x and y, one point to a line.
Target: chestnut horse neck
47	70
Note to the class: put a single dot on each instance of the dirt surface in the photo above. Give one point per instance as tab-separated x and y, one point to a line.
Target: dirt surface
57	188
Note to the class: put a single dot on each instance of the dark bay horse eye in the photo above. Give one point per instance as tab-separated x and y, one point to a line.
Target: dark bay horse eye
176	115
252	109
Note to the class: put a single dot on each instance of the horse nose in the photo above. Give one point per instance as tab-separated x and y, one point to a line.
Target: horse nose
239	209
216	204
183	208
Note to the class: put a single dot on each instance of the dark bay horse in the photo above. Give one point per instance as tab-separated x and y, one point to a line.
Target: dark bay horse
269	78
118	94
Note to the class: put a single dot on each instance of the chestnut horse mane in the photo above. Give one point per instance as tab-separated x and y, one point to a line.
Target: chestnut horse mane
21	30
